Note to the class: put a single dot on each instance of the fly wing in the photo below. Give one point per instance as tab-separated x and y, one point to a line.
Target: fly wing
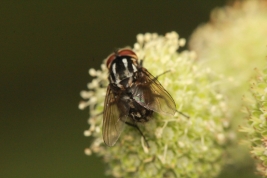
113	121
149	93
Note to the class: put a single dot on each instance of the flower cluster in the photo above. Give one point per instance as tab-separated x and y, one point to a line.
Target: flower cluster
179	146
233	44
256	129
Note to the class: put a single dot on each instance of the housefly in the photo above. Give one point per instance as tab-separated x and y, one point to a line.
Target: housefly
132	96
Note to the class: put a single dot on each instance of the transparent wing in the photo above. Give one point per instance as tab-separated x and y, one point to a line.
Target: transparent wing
113	119
149	93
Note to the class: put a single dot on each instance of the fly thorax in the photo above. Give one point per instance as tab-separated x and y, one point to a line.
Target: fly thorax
122	71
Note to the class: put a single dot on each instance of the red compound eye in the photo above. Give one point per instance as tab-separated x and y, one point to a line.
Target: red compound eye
127	52
110	58
121	52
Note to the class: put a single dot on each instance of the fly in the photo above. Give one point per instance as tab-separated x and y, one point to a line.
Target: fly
132	96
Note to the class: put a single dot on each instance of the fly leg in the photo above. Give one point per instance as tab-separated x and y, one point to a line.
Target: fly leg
135	126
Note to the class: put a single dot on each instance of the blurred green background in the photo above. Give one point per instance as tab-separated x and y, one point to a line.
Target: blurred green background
46	49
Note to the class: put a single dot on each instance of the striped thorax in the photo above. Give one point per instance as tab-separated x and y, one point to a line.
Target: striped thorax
122	65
